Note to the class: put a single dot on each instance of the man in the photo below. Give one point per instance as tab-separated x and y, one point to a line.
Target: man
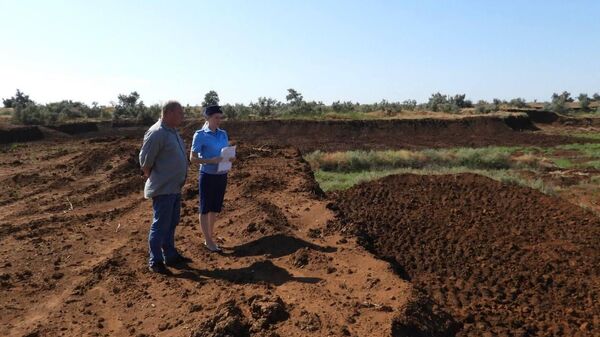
164	162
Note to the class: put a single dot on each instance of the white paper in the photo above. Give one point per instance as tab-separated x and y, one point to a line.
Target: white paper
226	154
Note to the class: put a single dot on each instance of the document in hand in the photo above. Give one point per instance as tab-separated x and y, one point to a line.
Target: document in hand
226	154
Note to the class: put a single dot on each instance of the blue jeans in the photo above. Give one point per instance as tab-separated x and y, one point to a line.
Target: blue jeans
161	239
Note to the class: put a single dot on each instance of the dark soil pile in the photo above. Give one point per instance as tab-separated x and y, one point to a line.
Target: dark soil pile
505	260
19	134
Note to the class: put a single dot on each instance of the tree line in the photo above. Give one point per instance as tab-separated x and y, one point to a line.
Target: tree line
131	107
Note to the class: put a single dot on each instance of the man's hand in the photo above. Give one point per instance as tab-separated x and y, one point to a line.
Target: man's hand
232	159
215	160
146	171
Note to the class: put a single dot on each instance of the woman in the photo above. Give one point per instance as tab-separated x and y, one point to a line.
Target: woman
206	150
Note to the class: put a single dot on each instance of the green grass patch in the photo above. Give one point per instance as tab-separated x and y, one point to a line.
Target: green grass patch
586	135
595	164
591	150
472	158
333	181
562	163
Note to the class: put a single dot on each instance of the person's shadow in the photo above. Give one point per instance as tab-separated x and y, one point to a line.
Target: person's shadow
262	271
274	246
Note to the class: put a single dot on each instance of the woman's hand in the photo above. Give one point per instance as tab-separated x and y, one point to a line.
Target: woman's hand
215	160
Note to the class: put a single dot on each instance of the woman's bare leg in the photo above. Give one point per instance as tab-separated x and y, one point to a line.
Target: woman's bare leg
206	230
212	219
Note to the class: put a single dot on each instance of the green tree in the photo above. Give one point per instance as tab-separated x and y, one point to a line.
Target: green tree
460	101
228	111
293	97
211	98
436	101
18	99
584	101
129	107
564	97
559	102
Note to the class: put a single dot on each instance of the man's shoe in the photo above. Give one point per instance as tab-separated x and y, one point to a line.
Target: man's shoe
179	259
160	268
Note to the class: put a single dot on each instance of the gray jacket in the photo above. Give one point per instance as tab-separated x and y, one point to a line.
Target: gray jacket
163	151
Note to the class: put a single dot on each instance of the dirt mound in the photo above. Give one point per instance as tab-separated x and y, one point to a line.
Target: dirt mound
113	156
229	319
520	123
75	128
541	116
15	134
421	317
505	260
330	135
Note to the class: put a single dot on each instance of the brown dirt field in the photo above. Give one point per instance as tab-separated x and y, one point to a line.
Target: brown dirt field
73	231
73	234
503	260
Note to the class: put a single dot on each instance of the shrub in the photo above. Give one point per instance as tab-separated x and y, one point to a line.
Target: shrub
409	104
483	107
559	102
264	107
347	106
67	109
436	101
439	102
584	101
228	111
149	115
518	102
460	101
31	113
565	97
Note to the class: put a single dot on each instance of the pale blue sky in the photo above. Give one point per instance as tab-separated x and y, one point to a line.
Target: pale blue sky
328	50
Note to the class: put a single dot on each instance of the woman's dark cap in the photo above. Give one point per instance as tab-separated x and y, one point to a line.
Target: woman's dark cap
212	109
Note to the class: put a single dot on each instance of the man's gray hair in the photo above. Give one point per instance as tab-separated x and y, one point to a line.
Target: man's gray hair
171	106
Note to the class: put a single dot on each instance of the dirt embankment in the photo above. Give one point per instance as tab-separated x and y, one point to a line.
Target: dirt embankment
336	135
388	134
76	128
73	232
548	117
504	260
19	134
